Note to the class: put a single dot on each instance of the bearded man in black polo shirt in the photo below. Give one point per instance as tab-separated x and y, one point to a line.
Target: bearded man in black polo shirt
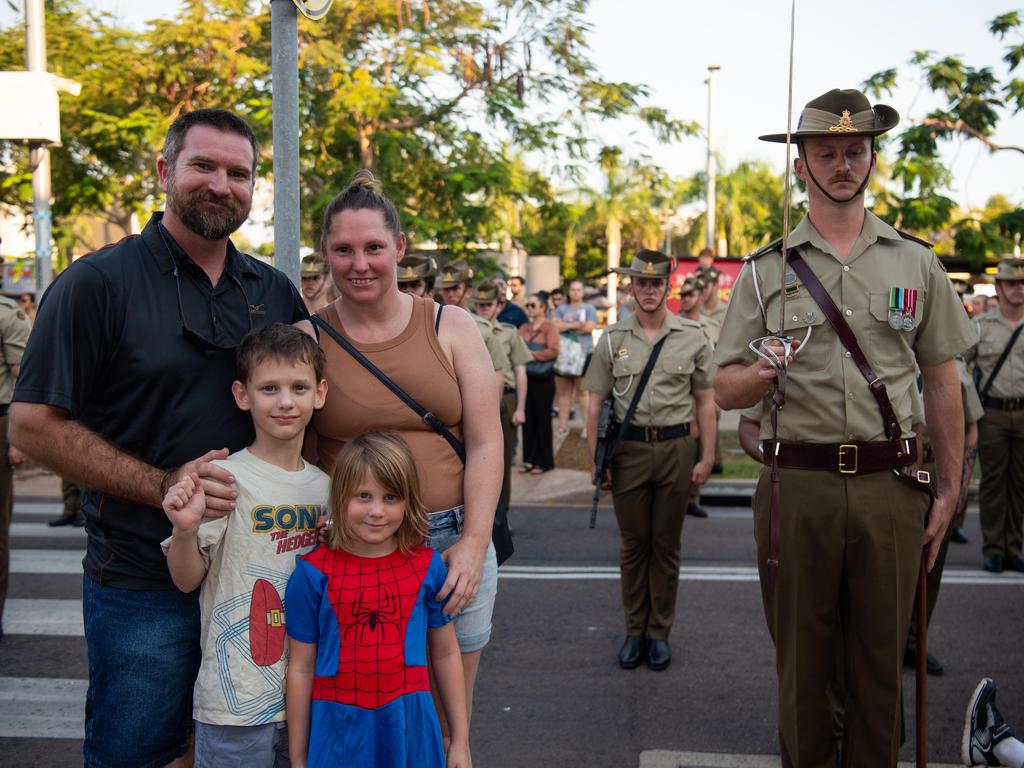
125	381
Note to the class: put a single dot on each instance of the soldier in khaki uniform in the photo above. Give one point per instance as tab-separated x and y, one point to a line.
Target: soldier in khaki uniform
1001	431
315	282
495	348
713	306
453	284
656	460
416	275
513	397
14	328
691	294
850	529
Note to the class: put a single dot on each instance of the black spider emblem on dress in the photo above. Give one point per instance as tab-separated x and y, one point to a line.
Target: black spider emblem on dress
367	617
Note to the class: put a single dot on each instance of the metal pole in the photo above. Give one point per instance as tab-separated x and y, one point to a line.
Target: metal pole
710	170
284	33
39	155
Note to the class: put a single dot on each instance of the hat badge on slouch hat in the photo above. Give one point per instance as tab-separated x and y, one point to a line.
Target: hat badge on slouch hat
845	124
1010	269
409	273
648	264
649	269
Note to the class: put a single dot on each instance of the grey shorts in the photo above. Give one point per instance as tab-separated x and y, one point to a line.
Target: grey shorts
472	623
242	746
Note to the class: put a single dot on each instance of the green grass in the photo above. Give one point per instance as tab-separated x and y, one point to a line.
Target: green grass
735	463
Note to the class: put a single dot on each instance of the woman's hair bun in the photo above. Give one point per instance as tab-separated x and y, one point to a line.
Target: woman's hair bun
364	179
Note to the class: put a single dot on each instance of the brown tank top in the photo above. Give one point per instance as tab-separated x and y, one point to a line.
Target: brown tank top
357	402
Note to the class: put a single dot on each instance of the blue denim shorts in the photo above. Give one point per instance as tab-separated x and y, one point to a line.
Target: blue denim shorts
143	659
242	746
472	623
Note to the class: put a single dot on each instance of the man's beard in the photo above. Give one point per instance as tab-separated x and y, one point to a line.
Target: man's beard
212	217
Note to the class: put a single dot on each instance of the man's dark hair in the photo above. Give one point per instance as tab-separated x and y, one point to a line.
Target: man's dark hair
221	119
277	342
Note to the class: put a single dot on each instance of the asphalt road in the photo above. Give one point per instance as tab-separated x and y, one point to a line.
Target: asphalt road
549	691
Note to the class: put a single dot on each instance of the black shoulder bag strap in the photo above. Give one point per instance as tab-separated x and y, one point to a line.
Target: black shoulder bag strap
644	378
983	392
435	423
849	340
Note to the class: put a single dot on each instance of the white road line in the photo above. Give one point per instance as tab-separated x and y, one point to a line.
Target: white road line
42	708
654	758
47	560
44	617
43	531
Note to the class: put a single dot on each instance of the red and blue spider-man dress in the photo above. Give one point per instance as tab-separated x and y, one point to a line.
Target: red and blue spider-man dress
368	617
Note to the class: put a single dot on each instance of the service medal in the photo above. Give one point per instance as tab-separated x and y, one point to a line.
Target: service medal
895	309
895	320
908	322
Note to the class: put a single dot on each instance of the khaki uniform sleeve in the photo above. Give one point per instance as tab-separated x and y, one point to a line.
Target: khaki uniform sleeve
14	329
973	410
519	353
704	367
598	378
916	406
946	329
743	322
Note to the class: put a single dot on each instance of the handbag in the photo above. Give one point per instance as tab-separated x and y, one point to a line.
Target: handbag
538	369
501	534
571	358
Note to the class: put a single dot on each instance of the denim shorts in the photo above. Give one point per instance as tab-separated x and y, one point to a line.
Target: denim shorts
242	746
472	623
143	659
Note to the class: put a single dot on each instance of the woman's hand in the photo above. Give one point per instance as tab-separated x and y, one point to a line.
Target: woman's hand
465	561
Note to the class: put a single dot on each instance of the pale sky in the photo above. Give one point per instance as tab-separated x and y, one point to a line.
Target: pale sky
668	45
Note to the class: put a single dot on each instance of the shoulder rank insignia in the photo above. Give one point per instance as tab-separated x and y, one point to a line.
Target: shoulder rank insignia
918	240
773	247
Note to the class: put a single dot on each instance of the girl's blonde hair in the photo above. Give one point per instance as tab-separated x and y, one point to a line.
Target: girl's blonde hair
387	457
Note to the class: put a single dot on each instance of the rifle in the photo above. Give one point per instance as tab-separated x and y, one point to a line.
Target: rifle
602	454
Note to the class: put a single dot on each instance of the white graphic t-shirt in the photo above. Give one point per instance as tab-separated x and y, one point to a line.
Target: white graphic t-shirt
250	554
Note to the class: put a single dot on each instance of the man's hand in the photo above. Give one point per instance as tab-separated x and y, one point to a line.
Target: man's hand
465	561
518	417
185	503
701	472
606	479
217	483
938	520
765	370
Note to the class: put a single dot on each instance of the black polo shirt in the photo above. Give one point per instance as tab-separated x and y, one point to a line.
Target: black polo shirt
109	348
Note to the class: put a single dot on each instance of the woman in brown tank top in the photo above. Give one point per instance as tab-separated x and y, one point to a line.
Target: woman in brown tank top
441	362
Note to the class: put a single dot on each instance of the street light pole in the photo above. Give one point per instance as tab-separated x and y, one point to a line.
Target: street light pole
39	154
710	170
284	35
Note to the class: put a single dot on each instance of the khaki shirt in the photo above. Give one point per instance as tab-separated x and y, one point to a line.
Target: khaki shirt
492	341
14	328
515	350
968	397
827	398
683	366
718	313
994	332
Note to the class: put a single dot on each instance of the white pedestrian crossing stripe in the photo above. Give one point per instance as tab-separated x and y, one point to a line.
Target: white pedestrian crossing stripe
43	531
664	759
42	708
44	617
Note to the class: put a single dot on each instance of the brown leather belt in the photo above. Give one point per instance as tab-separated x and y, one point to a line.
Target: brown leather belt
1004	403
845	458
655	434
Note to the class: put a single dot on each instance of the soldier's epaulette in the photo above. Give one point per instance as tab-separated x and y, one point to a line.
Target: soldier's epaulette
918	240
773	247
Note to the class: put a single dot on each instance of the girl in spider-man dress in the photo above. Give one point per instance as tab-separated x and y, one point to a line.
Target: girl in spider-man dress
361	613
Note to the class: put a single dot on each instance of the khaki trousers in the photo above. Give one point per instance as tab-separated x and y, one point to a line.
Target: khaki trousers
850	548
650	483
508	435
6	508
1001	492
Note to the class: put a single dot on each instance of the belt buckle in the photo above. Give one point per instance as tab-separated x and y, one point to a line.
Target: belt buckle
844	467
652	434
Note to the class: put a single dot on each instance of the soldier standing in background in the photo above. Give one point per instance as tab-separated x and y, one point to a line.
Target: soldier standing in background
416	275
999	358
656	460
315	283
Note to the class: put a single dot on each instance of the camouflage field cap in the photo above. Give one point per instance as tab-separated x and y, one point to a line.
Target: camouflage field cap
840	113
412	269
485	292
1010	269
313	265
690	284
648	264
453	273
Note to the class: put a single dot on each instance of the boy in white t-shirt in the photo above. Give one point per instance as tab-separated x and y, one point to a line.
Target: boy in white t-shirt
243	560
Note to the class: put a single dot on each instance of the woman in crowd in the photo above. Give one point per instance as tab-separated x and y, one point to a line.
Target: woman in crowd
541	336
437	356
574	320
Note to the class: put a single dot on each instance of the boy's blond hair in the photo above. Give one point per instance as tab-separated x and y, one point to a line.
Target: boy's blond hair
387	457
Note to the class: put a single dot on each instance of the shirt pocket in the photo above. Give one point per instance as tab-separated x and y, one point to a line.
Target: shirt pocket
801	314
886	345
627	366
